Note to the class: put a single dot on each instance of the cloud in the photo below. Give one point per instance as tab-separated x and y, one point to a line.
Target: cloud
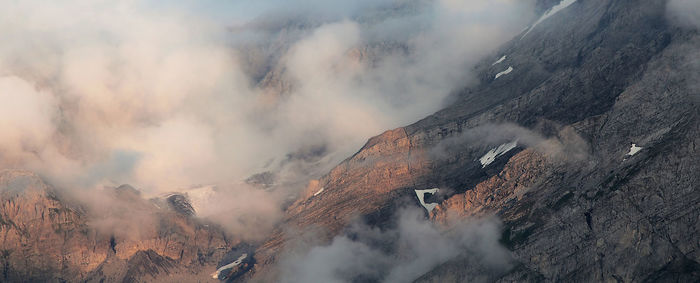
565	145
402	254
26	116
249	212
163	96
685	13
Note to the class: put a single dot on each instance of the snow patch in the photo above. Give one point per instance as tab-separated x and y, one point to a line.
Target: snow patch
507	71
319	192
491	156
563	4
238	261
421	198
634	149
499	60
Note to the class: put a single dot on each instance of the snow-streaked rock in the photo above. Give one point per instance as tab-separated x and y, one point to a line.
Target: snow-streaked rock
319	192
551	12
634	150
233	264
491	156
421	197
507	71
499	60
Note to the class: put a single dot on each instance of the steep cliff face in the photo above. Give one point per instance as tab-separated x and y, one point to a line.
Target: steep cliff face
373	176
622	215
42	238
601	183
49	237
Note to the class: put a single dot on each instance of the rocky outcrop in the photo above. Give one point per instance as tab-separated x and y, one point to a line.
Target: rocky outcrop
43	238
387	158
48	236
523	172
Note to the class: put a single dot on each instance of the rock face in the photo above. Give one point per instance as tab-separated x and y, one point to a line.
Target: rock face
41	237
585	84
48	237
582	88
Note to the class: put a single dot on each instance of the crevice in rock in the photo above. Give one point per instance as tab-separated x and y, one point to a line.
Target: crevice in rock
589	220
113	244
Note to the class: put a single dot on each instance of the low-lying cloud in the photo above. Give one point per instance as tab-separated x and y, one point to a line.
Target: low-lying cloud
169	98
565	145
403	254
685	13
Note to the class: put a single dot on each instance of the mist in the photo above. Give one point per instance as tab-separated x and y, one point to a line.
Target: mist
402	254
685	13
178	96
563	145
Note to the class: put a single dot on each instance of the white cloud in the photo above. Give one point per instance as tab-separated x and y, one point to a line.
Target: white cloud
685	13
26	118
155	94
402	254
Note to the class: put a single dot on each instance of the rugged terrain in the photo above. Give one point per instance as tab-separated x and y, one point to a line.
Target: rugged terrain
47	237
599	102
585	85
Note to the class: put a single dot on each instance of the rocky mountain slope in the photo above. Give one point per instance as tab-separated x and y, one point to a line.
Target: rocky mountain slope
48	237
602	186
580	137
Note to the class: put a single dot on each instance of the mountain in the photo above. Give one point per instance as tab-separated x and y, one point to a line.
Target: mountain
602	102
573	157
48	237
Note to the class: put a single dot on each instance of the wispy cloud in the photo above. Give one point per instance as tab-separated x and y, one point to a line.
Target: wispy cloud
402	254
685	13
162	96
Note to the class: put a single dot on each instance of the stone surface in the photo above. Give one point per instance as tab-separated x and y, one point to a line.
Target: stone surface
587	83
48	236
